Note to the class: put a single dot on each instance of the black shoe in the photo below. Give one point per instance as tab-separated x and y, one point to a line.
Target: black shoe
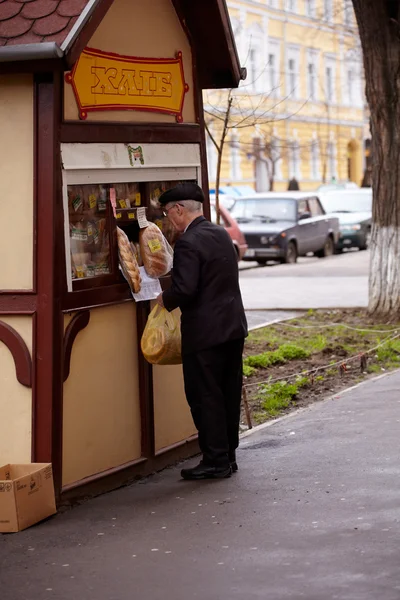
232	460
203	471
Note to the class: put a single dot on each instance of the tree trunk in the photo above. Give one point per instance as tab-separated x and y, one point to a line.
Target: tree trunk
379	31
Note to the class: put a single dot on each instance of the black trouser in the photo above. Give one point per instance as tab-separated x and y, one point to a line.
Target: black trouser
213	386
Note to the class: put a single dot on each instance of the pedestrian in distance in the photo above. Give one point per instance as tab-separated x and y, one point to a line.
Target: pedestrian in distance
293	185
205	286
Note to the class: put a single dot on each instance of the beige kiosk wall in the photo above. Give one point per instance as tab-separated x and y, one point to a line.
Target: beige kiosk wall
16	181
15	400
101	410
143	29
172	419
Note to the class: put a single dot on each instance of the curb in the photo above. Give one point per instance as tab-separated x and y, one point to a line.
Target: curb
335	396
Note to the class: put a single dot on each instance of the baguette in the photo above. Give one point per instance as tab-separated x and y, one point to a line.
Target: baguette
128	262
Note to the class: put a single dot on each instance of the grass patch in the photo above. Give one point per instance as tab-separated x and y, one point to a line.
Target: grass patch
283	354
390	352
249	371
278	396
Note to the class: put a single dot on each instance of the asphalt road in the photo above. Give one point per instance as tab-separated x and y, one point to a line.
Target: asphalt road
312	513
337	282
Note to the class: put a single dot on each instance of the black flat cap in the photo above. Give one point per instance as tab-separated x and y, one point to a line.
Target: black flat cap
183	191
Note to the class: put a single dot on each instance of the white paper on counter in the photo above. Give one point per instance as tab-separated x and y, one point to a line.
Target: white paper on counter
151	288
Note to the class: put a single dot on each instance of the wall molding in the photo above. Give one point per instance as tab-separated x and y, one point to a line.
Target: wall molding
20	353
77	324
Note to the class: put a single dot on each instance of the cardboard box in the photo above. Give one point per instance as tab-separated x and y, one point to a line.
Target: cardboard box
26	495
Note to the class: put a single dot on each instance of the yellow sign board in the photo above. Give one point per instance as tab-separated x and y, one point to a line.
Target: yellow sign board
105	81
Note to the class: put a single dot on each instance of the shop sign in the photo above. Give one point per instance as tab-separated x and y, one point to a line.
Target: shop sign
105	81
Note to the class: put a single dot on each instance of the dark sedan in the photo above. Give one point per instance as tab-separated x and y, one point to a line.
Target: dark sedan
354	211
284	226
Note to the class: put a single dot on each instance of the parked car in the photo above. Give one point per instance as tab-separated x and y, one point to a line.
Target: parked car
354	211
283	226
327	187
231	227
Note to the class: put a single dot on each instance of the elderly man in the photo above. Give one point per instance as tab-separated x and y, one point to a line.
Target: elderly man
205	286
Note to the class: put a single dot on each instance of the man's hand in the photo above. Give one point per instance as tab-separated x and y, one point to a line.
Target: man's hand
160	300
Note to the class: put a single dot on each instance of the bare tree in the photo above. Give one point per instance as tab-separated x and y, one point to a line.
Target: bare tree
379	28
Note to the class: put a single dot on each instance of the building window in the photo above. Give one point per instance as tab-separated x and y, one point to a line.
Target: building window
292	77
330	75
348	13
291	5
328	13
310	8
312	87
294	160
350	86
235	157
212	159
276	158
331	160
315	171
272	79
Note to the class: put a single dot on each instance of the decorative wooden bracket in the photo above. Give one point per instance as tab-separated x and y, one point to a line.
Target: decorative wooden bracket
20	353
79	322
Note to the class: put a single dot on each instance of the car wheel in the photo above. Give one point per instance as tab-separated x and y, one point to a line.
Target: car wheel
367	241
262	261
327	250
291	254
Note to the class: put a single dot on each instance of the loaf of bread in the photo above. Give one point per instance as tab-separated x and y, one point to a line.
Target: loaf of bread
128	262
155	251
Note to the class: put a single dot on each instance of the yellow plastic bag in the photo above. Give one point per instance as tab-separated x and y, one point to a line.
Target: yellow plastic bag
161	339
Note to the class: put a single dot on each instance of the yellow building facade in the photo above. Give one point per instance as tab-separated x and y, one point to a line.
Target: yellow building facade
301	111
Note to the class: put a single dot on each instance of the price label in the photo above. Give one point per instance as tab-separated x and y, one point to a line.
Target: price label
118	215
142	220
137	199
92	200
77	203
131	215
90	230
122	203
154	245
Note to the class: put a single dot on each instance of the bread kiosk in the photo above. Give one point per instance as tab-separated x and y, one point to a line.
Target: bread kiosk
100	111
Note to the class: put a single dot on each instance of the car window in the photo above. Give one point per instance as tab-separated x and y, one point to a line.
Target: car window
274	209
302	207
347	201
315	207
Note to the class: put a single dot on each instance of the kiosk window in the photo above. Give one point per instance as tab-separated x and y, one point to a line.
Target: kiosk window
89	231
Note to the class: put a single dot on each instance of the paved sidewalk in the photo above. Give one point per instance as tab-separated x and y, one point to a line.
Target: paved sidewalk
312	513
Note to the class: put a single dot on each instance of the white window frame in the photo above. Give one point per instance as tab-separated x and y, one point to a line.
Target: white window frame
315	160
331	160
312	59
278	164
293	54
291	6
348	13
328	11
273	75
330	63
235	158
212	158
294	160
310	9
256	49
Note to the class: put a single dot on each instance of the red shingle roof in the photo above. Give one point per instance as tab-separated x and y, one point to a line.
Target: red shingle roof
33	21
